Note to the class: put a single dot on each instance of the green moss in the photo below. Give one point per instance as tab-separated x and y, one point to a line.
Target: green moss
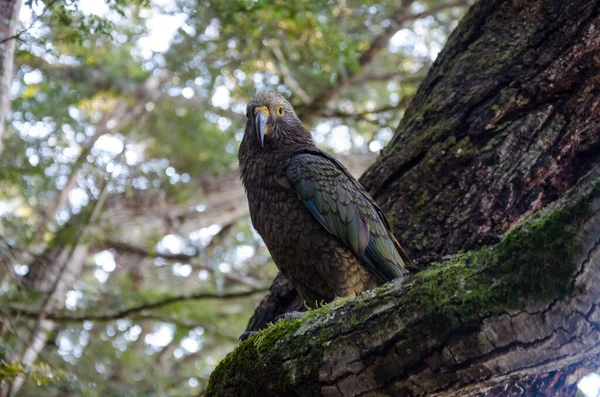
256	363
255	367
532	260
338	302
537	255
274	332
250	365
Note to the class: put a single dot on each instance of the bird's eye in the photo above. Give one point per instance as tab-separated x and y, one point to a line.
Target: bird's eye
280	110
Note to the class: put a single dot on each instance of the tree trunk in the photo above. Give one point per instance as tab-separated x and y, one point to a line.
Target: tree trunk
506	122
9	19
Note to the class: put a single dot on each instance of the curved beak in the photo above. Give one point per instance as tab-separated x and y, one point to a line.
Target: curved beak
262	129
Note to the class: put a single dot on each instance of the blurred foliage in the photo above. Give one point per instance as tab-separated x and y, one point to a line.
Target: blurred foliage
143	102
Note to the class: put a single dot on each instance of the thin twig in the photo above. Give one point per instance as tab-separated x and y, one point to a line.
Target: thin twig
37	17
131	311
287	76
130	248
364	115
400	77
397	19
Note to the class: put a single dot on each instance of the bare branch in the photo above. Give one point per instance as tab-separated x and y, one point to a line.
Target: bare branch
287	76
188	324
131	248
17	35
399	17
402	77
365	115
134	310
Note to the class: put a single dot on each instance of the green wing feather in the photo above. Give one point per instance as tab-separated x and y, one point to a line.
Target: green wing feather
347	211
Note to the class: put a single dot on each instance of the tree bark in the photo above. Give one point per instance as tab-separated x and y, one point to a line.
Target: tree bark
9	19
506	122
517	316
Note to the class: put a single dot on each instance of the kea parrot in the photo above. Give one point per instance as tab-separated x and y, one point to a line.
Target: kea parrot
324	231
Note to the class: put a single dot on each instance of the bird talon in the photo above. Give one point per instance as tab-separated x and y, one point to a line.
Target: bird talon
247	335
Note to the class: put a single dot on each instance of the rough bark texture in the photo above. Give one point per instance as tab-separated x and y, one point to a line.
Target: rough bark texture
9	18
507	121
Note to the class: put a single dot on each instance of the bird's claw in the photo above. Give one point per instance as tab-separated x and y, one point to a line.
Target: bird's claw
247	335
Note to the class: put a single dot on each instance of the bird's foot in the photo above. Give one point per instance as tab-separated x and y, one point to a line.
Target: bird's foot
289	316
247	335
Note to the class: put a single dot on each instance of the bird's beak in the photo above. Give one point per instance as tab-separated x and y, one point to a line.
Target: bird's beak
262	129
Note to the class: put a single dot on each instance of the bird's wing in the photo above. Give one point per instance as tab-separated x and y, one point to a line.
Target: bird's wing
347	211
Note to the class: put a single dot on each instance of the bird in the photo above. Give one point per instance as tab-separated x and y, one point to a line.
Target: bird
324	231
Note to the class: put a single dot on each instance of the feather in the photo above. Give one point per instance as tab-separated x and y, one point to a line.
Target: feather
345	209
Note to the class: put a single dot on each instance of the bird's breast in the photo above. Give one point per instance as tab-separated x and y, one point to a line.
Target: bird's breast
272	199
274	208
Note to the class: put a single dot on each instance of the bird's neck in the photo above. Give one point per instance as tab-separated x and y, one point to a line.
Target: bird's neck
264	166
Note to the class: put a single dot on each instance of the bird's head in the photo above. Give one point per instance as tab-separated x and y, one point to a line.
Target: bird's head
272	123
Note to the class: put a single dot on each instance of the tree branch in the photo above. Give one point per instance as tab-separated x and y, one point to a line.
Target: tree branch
364	115
400	77
465	324
288	79
188	324
130	248
37	17
134	310
399	17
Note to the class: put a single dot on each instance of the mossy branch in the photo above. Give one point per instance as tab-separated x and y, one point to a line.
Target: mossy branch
435	328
